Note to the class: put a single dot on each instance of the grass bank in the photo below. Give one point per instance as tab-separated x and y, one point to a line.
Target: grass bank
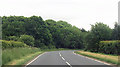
18	56
103	57
24	60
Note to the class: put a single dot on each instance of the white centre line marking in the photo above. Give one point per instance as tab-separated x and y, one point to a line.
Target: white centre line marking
59	54
63	58
68	64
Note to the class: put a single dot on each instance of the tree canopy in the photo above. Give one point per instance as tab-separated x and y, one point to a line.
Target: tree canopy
55	34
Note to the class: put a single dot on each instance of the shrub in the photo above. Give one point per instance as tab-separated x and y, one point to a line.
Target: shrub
50	46
13	38
27	39
12	44
109	47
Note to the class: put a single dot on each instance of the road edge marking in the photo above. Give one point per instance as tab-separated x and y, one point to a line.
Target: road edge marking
92	59
34	59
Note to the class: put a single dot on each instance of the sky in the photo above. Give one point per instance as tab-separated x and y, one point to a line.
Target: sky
80	13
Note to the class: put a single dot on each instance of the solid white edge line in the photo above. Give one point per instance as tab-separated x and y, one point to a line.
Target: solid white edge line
92	59
34	59
74	53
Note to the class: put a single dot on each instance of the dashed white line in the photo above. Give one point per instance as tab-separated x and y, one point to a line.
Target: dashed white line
59	54
63	58
68	64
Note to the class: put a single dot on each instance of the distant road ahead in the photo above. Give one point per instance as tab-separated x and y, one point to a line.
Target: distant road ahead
64	59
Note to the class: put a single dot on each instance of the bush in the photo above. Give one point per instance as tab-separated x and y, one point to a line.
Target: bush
13	38
27	39
109	47
50	46
12	44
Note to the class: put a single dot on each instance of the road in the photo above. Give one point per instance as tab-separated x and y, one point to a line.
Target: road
64	59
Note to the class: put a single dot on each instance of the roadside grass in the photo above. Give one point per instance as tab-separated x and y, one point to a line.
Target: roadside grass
15	55
100	56
24	59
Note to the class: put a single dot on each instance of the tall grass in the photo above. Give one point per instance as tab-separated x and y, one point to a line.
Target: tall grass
9	55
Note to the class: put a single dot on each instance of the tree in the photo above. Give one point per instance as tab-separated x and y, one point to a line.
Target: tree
65	35
98	32
36	27
83	30
13	28
116	32
101	31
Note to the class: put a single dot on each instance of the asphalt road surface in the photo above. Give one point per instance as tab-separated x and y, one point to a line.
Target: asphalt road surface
64	59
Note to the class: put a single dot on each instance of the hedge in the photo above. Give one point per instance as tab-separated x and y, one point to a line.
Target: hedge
12	44
109	47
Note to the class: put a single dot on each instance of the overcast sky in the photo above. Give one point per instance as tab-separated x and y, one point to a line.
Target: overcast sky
80	13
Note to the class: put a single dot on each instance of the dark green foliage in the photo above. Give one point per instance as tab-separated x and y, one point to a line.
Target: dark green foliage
91	43
65	35
13	28
34	26
27	39
56	34
13	38
98	32
109	47
116	32
101	31
47	34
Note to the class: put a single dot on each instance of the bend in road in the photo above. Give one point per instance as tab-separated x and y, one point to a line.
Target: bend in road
65	59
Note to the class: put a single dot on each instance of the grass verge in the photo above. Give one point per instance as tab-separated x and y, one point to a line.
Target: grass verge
24	60
103	57
16	56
